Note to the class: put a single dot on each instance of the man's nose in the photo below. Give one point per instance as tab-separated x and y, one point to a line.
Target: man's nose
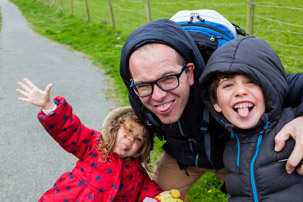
158	93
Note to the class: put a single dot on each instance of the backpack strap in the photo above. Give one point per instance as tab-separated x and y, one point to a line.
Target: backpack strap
152	123
155	125
240	30
207	140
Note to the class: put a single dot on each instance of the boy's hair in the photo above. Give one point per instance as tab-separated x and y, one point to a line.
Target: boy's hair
110	127
214	83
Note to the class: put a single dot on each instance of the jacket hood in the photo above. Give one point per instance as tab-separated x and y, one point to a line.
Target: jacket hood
257	60
162	31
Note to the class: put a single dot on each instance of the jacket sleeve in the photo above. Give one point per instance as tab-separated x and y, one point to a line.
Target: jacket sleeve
149	188
66	128
294	98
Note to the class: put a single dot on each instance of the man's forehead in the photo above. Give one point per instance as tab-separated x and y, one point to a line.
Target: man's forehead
151	60
153	46
150	52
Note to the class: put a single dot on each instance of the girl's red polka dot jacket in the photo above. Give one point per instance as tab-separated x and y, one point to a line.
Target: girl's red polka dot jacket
92	179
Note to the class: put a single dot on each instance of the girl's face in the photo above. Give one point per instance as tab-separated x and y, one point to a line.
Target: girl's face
129	140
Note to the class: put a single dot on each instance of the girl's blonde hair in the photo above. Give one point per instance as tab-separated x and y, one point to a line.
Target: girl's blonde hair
110	127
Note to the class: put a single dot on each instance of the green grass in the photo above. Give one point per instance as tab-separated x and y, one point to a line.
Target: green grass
276	21
103	45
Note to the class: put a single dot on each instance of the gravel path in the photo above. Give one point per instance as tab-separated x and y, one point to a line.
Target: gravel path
30	160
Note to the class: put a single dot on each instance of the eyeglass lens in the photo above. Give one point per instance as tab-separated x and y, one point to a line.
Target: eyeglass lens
165	83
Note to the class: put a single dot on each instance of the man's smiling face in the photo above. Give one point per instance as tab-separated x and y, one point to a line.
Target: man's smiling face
152	62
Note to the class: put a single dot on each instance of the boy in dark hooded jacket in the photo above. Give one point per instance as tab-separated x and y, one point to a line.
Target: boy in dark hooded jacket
246	88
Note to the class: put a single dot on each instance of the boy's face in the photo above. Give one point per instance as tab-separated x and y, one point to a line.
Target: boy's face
129	140
159	61
240	100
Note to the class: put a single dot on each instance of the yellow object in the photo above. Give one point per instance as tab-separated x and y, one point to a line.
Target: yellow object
166	197
172	196
175	193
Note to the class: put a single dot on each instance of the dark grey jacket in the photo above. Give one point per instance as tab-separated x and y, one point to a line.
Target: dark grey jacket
184	139
255	171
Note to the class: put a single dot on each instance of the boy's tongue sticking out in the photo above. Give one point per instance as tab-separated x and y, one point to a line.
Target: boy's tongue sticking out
243	112
243	109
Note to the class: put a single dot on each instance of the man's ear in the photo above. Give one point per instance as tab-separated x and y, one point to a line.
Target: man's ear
217	108
190	73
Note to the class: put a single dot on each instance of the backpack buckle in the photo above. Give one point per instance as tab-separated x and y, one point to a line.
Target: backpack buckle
203	129
192	15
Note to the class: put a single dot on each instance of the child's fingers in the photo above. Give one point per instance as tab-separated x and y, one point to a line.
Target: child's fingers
23	99
25	87
22	92
29	83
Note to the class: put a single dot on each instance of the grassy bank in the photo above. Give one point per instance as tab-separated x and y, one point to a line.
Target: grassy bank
275	21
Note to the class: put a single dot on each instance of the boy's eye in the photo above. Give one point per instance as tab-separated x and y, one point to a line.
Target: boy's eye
251	81
227	85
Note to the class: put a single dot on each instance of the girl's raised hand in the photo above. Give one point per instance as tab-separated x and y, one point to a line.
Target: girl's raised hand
34	95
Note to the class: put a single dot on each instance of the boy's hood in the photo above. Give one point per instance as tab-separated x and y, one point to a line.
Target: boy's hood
160	31
256	59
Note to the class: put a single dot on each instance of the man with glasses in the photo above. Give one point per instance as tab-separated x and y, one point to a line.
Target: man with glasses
160	65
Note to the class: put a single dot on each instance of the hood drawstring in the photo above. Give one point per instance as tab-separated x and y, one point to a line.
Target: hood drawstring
234	135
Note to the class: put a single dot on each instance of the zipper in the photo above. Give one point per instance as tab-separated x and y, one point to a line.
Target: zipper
252	176
214	38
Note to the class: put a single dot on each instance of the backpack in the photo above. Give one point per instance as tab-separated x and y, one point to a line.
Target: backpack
208	28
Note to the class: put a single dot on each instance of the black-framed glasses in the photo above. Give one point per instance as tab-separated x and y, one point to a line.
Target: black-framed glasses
165	83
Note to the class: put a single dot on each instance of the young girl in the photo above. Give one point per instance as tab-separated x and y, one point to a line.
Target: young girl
109	166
